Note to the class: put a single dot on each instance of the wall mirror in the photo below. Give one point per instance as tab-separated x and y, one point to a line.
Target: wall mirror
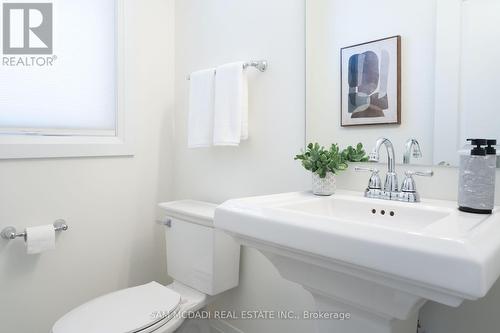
402	70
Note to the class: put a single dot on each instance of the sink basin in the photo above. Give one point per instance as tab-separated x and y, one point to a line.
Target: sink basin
344	209
379	259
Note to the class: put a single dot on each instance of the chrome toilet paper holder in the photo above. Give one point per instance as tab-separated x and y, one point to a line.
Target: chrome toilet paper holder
11	233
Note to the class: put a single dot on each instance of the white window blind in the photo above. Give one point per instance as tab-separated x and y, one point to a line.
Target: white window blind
77	94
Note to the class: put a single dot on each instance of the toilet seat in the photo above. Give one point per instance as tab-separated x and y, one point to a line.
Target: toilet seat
142	309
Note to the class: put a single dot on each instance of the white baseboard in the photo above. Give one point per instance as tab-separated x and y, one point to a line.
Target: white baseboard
222	326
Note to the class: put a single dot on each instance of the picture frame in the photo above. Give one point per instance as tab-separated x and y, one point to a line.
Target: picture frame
371	83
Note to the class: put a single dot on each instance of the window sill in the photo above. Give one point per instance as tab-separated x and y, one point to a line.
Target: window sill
27	146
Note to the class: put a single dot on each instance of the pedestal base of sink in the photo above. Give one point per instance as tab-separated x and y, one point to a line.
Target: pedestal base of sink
373	307
359	321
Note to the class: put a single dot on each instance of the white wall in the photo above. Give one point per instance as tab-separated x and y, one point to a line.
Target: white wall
209	33
216	31
478	71
109	203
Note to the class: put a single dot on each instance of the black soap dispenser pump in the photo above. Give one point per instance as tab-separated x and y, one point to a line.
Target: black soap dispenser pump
476	192
491	149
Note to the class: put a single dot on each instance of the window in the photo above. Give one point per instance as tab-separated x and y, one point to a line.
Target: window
60	87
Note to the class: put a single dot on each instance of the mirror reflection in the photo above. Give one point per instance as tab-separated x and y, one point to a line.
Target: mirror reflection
418	75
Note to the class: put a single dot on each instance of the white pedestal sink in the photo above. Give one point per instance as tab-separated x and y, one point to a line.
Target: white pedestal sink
378	260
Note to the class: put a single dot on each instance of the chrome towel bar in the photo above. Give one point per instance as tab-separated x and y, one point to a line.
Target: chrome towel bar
11	233
261	65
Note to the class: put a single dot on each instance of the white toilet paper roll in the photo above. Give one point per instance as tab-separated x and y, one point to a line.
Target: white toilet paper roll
40	239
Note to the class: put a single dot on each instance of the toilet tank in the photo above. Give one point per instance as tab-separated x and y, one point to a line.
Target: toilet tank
198	255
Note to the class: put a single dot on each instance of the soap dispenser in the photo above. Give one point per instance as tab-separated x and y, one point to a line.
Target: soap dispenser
476	192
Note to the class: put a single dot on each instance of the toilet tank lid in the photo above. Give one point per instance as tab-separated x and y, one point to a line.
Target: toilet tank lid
198	212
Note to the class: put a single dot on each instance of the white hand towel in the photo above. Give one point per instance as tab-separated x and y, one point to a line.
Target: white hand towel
231	105
201	108
40	239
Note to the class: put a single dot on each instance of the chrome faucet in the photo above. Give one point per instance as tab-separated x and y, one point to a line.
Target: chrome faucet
391	179
391	190
412	148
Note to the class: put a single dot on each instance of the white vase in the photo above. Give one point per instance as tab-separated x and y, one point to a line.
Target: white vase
324	186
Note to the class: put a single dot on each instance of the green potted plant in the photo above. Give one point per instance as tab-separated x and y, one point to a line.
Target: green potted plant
357	154
325	164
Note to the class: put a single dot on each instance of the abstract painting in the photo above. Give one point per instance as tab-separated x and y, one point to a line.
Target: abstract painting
371	83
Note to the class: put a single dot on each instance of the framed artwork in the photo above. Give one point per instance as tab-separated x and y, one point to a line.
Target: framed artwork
371	83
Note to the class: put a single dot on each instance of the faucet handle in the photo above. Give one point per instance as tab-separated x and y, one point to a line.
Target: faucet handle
409	183
375	183
366	169
427	173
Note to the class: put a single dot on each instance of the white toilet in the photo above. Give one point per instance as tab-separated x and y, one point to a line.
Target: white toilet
202	261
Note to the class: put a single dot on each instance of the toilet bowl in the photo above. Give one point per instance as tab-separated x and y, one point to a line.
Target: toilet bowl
203	262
